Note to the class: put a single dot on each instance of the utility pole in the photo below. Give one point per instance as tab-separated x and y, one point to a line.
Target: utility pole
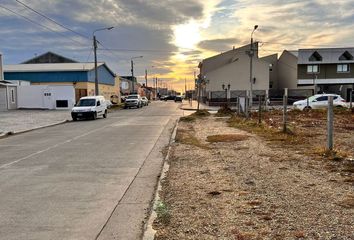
96	74
95	53
146	77
251	54
185	86
132	70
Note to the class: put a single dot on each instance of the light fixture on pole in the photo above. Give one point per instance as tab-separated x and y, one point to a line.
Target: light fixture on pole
132	70
251	54
95	53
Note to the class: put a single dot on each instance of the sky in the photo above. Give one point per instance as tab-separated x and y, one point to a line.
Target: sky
173	36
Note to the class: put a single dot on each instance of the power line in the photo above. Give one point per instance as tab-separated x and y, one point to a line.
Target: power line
52	20
41	25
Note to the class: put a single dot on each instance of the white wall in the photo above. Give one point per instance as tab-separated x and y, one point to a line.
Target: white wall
44	96
237	74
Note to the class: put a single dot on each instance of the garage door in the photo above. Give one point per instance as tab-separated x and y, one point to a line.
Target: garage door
3	105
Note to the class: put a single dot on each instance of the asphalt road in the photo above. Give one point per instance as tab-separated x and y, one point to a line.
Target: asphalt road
85	179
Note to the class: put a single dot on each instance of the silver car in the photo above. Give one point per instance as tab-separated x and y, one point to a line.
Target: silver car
133	101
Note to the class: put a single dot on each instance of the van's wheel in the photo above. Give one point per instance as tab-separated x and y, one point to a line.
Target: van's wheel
74	119
105	114
94	116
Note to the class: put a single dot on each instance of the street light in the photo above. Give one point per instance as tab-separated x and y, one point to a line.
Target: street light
251	54
132	70
95	53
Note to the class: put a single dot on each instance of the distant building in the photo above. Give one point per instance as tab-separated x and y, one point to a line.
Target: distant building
327	70
58	70
232	69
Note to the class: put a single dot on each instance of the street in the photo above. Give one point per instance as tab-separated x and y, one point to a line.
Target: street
85	179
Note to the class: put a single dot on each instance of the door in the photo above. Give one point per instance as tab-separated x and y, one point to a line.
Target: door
47	99
320	102
3	99
79	93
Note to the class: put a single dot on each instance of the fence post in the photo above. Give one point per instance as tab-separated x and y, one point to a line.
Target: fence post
266	100
259	109
330	123
285	108
247	105
351	99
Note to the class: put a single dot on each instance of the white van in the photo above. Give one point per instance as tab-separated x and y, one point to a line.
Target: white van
90	107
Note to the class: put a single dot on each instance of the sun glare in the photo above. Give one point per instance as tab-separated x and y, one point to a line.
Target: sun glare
187	35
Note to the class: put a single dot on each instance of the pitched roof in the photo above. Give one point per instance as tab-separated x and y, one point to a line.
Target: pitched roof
329	55
49	57
217	61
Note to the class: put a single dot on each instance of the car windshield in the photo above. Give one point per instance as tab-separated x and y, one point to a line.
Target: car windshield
86	103
132	97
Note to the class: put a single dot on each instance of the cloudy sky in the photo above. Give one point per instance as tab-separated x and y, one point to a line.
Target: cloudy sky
171	35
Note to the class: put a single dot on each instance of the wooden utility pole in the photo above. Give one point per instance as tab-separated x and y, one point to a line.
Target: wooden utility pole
330	123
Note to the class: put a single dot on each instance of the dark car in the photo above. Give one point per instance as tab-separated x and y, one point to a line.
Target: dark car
178	99
171	97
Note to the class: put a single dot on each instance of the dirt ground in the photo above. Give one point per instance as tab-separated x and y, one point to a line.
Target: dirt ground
257	183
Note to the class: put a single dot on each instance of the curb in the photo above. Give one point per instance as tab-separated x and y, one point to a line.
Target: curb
8	134
149	232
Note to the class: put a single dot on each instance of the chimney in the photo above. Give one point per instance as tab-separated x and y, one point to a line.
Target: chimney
1	69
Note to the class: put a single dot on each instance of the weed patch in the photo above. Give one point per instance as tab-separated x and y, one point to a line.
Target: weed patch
163	213
227	138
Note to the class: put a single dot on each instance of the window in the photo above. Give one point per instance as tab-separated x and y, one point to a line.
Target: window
315	57
323	98
313	69
346	56
343	68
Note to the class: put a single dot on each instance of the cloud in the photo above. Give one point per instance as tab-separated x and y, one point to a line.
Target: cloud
218	45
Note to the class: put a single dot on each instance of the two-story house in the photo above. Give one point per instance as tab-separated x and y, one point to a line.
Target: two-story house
327	70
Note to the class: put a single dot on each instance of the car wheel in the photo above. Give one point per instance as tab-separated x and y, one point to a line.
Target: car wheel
94	116
74	119
125	107
307	108
105	114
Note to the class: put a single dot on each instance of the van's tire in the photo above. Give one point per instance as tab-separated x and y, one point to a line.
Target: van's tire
105	114
74	119
94	116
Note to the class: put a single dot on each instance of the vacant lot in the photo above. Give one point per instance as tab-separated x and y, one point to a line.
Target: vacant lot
235	179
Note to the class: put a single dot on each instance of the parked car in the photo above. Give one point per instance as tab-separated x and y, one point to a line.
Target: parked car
178	99
133	100
90	107
319	101
170	97
163	97
145	101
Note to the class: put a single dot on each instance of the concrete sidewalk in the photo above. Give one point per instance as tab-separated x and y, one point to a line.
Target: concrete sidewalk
16	121
193	106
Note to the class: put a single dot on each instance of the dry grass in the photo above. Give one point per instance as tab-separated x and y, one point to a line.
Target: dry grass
227	138
347	202
335	154
194	116
187	137
224	111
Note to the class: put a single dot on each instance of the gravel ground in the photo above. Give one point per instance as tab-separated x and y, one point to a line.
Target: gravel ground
250	189
22	120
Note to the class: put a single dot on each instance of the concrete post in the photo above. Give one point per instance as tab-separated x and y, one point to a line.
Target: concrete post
330	123
259	109
285	108
266	99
